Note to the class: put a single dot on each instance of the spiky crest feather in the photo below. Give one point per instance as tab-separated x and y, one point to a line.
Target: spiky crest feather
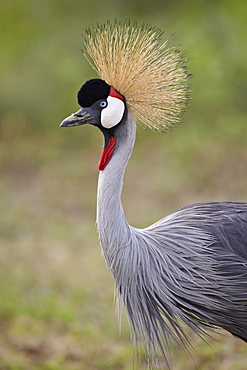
148	72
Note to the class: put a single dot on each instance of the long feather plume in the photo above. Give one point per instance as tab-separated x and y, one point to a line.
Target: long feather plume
149	72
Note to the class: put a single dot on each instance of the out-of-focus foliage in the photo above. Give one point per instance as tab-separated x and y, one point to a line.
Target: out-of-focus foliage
55	293
42	67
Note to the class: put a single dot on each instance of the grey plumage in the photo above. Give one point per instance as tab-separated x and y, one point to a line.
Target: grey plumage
191	266
188	268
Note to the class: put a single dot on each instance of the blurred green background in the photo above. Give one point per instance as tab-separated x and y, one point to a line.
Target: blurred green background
56	295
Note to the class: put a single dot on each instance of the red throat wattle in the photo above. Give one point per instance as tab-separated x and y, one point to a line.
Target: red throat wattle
107	153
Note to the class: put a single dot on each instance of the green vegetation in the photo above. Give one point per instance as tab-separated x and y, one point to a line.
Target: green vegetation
56	295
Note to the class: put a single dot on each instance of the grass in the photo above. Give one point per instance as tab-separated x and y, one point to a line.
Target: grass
56	294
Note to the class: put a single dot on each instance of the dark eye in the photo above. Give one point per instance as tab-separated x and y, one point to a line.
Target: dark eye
103	104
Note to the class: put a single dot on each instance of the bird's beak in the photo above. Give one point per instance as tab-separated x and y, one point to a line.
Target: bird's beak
76	119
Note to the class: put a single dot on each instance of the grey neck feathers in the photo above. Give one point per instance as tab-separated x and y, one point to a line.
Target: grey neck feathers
114	231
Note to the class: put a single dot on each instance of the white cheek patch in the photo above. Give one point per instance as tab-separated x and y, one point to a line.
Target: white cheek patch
113	113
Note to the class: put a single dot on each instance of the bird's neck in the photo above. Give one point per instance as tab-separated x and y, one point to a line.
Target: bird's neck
113	228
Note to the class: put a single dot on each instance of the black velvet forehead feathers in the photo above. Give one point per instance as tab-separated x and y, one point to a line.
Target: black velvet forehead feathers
92	91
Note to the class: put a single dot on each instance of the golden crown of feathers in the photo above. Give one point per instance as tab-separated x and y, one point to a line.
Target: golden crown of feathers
149	72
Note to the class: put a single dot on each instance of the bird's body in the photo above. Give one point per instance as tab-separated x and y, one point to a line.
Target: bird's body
190	267
176	266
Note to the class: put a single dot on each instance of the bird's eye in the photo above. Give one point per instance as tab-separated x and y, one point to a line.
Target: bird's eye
103	104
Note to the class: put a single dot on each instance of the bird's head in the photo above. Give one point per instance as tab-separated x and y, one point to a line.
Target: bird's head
148	75
101	106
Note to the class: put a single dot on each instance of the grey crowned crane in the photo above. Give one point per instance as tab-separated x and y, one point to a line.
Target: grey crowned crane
191	266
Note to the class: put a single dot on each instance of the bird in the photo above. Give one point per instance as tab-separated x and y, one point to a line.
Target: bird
189	269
